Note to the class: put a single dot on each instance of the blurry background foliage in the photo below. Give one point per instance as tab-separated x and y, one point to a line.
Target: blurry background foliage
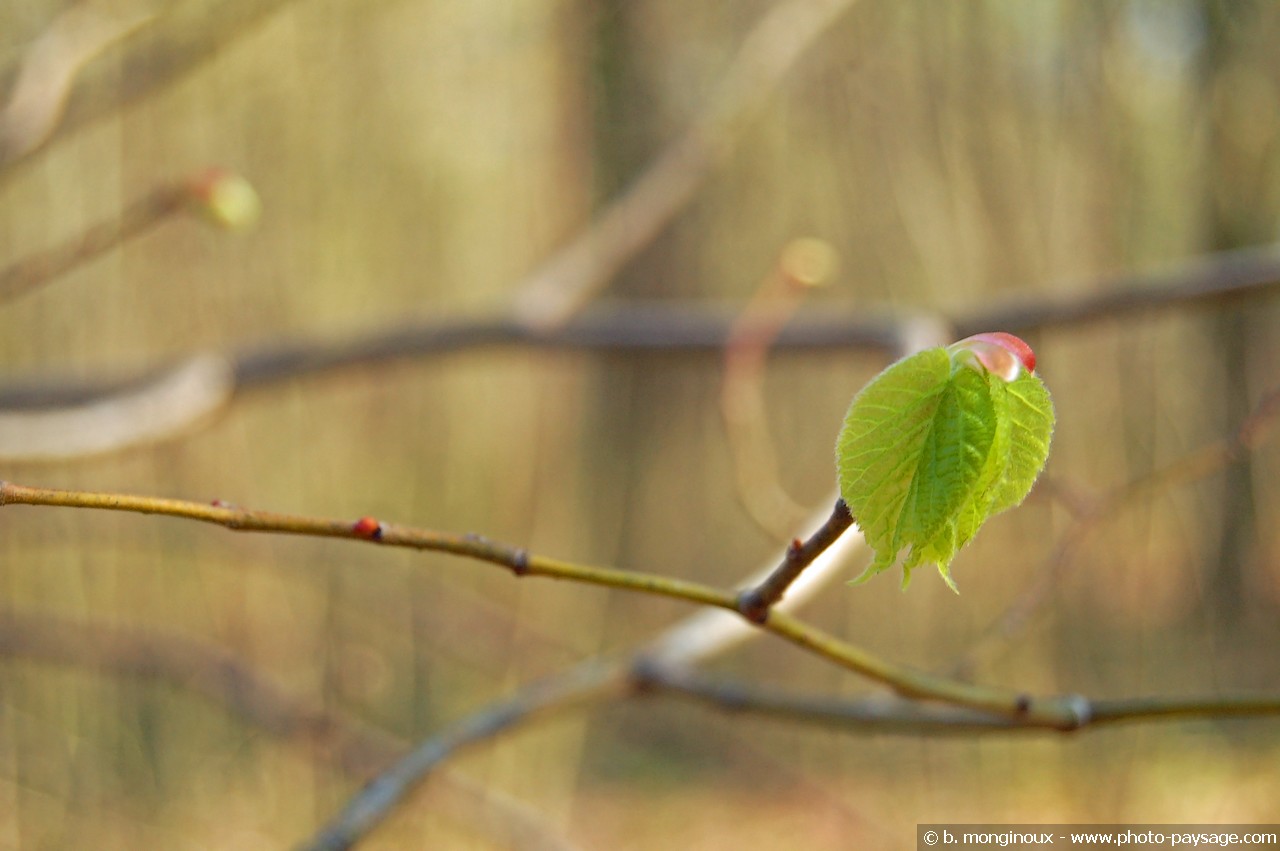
415	158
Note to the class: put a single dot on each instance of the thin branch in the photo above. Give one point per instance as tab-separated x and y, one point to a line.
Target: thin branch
684	329
1130	710
895	716
622	329
584	685
552	294
138	217
1217	278
227	681
369	530
867	715
754	603
712	632
604	679
222	196
1058	712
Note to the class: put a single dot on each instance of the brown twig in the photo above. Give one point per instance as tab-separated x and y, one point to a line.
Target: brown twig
369	530
1217	278
755	603
603	679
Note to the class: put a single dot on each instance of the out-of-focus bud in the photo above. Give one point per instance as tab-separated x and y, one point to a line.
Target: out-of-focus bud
224	198
808	262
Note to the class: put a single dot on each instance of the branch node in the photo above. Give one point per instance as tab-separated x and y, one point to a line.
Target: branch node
1081	711
752	605
368	528
520	562
645	676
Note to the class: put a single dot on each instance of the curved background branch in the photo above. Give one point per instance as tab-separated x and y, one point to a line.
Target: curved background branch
62	84
684	329
48	69
166	406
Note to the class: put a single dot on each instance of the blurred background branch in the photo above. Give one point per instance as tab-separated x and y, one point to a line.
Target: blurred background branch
30	272
803	263
48	69
584	685
1097	509
885	714
552	294
692	328
222	197
165	407
57	86
236	686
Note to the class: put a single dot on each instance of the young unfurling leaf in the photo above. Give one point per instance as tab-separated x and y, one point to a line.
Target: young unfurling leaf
939	442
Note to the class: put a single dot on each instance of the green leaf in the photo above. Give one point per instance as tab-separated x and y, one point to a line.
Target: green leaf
974	505
879	449
933	447
1031	425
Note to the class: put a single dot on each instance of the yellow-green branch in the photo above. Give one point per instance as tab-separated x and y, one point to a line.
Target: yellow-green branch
1061	713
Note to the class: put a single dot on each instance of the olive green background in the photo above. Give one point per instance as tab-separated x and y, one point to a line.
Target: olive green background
415	158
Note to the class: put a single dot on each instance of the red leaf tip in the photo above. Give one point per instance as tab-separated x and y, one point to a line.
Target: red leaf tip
999	352
1015	345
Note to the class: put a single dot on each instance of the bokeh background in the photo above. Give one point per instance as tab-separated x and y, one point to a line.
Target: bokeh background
415	158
